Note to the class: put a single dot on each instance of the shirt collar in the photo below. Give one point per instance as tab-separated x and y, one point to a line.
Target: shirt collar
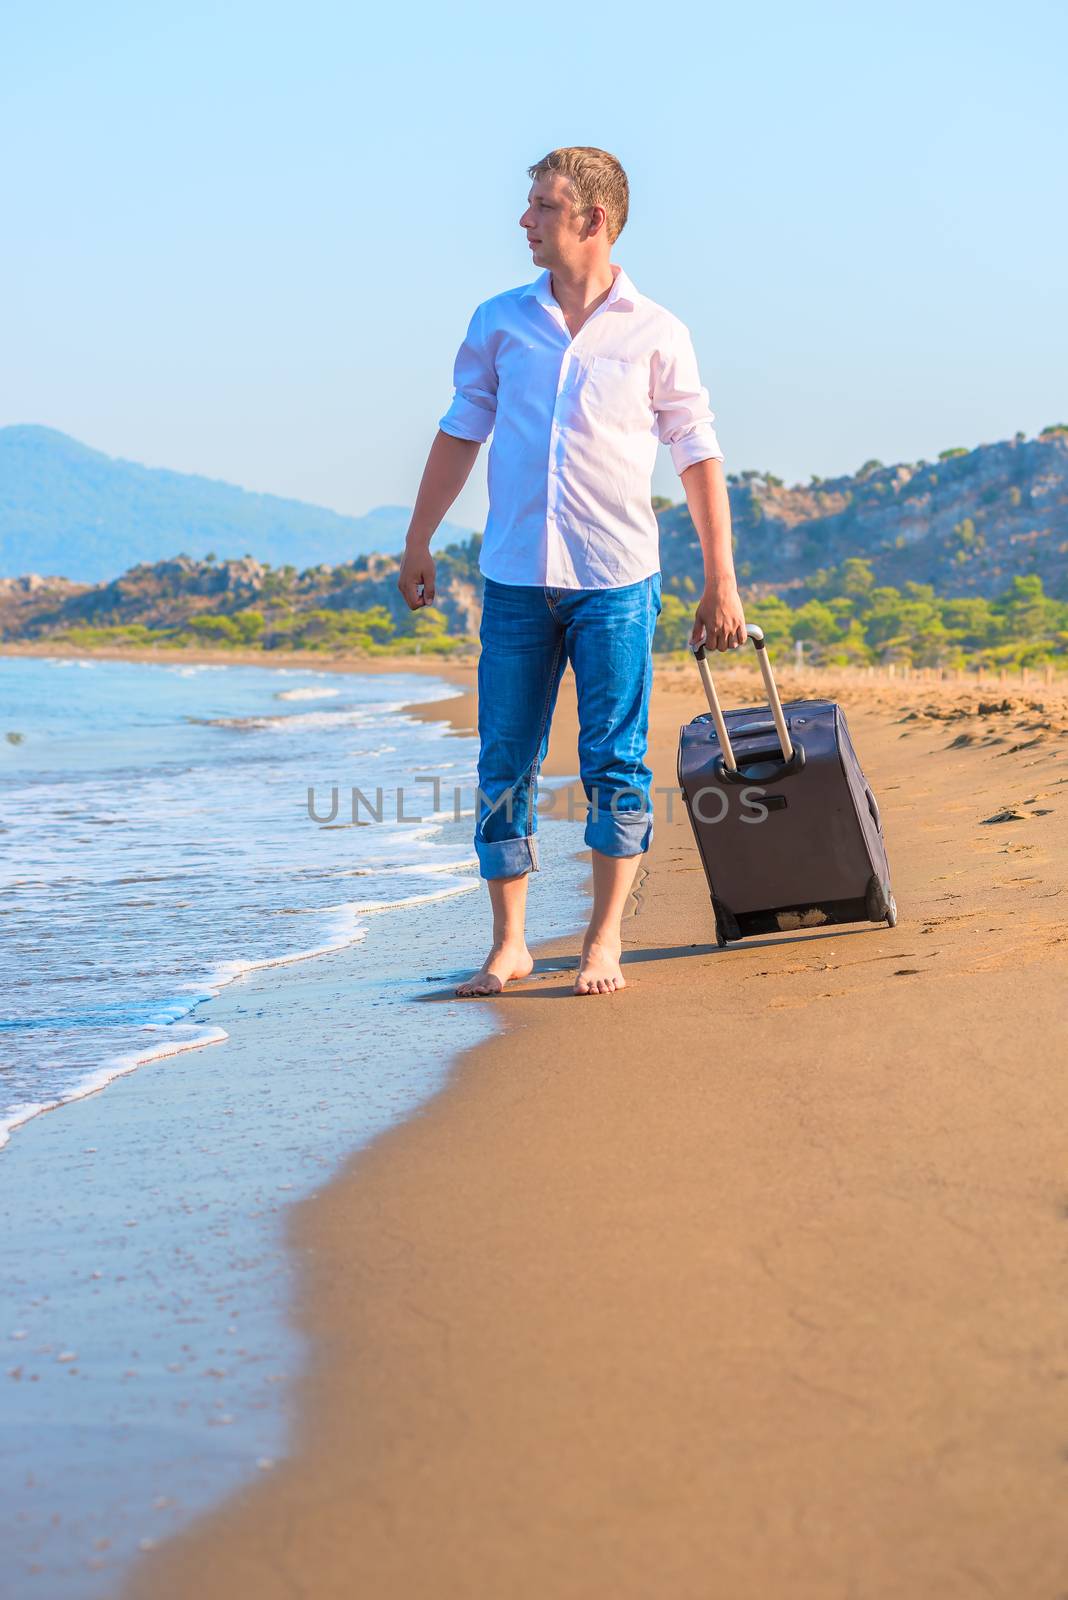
622	293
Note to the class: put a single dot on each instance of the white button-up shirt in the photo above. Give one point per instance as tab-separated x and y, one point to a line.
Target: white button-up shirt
575	424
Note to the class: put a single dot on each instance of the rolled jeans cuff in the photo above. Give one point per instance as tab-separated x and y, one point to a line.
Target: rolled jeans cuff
504	858
623	833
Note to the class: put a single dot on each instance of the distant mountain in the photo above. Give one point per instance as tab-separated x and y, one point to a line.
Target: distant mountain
932	563
80	514
967	523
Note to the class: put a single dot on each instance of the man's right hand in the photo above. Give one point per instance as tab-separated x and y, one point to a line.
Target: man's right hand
416	579
719	621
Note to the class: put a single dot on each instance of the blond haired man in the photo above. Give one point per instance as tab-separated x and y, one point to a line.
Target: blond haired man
577	375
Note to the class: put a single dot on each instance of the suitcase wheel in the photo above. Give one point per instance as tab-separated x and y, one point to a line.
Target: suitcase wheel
880	903
726	923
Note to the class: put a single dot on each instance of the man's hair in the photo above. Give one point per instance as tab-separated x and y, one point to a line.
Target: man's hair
596	178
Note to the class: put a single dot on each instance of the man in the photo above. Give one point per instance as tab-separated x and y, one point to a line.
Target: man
576	375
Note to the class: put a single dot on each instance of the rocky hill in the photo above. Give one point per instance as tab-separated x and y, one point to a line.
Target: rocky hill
191	596
70	510
967	523
844	554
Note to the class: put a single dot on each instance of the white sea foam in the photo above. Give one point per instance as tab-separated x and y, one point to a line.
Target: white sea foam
166	1021
347	912
360	908
306	694
417	869
295	722
106	1073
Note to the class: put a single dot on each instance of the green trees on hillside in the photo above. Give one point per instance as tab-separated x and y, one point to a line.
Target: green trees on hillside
244	628
866	625
368	631
1021	627
967	541
371	631
844	618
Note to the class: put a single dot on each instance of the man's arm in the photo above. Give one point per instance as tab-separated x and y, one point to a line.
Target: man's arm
684	423
719	618
467	424
448	467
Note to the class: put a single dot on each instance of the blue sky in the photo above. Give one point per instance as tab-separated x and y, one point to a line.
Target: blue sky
244	239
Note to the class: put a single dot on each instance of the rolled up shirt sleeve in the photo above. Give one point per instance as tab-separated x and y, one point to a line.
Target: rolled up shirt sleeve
474	405
683	419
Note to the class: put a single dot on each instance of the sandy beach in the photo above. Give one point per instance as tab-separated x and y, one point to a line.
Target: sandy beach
325	1277
745	1281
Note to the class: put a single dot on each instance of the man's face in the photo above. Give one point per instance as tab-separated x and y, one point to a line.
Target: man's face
554	229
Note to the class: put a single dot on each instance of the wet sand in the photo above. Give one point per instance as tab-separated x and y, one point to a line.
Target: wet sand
746	1281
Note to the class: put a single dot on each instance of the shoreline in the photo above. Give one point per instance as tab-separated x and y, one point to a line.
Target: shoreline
1053	679
302	660
94	1173
722	1287
120	1066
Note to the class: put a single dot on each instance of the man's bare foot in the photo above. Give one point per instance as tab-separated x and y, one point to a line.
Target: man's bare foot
504	962
599	970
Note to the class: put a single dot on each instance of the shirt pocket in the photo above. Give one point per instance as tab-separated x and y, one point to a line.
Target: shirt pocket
615	394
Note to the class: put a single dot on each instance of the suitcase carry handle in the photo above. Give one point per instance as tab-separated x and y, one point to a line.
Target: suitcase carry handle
757	636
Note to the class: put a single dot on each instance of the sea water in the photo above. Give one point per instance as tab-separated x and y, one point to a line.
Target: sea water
159	843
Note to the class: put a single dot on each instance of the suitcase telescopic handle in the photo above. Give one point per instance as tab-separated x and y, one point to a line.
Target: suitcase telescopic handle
757	636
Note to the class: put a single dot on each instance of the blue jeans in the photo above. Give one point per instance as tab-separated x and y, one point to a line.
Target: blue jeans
528	635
